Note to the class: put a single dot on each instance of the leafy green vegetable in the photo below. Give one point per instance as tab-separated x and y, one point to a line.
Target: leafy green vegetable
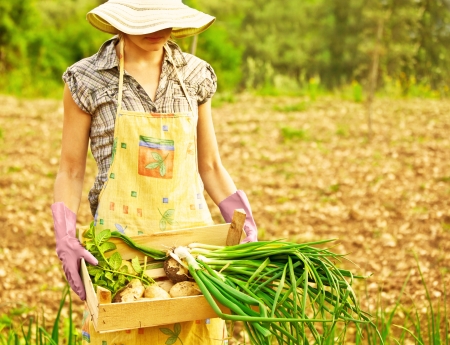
136	265
111	273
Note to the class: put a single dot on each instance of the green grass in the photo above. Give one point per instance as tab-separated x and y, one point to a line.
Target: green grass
432	328
222	98
342	131
289	133
34	332
444	179
297	107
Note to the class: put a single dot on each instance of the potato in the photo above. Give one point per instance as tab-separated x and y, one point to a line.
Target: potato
155	292
165	284
133	291
185	289
176	272
128	296
134	283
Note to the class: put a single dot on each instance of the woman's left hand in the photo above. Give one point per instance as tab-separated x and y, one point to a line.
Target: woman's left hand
251	232
233	202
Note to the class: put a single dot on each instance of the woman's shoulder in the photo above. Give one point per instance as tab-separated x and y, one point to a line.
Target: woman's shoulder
194	60
87	70
197	67
197	73
83	67
85	78
193	66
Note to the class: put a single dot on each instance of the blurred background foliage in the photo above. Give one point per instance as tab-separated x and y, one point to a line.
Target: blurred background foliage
271	47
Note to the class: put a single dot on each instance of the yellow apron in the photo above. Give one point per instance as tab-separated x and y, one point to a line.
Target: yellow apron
153	185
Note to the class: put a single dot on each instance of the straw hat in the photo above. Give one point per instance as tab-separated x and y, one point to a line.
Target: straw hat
140	17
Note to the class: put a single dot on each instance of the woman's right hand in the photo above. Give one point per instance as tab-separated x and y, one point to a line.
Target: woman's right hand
68	248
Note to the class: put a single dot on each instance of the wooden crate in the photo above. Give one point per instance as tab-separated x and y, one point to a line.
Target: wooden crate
129	315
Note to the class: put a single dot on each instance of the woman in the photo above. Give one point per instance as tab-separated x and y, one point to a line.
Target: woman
145	106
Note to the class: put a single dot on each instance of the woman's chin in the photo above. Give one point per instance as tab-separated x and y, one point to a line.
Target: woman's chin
152	46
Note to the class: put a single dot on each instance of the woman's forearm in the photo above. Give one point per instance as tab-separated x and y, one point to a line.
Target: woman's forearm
68	189
218	182
75	138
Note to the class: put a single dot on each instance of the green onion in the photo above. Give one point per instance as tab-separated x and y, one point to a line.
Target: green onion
153	253
297	290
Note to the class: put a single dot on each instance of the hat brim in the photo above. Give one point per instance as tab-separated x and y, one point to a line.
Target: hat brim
113	17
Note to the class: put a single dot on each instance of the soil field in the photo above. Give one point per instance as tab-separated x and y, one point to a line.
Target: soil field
309	171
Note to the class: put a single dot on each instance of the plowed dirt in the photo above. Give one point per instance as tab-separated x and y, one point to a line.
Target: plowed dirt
309	171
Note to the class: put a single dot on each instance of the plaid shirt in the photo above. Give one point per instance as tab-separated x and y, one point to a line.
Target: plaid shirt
94	83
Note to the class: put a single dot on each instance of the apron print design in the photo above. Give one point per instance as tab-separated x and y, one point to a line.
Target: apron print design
156	157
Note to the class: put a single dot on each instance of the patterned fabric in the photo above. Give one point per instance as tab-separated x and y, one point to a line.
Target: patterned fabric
153	183
93	83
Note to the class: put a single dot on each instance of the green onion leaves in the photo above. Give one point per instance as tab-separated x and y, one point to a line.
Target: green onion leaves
285	293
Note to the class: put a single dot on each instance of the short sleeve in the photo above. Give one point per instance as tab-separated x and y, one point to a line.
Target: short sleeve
208	84
81	94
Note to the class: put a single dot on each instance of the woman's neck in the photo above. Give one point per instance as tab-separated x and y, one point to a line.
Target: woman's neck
138	57
144	65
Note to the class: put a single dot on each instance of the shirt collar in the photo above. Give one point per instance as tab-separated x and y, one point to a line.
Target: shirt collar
177	54
107	57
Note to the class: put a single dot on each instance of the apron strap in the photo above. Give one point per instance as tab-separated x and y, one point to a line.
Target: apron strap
183	86
186	94
122	70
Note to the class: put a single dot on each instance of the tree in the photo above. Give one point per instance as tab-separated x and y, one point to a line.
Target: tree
432	60
17	18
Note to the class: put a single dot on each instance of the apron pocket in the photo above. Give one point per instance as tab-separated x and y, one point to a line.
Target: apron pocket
156	157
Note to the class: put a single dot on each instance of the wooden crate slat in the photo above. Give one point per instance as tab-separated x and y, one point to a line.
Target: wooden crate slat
139	314
236	230
91	296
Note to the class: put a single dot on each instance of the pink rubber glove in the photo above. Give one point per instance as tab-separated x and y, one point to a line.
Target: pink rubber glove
68	248
239	200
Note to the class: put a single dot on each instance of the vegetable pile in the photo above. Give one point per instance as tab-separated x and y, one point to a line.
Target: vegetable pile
127	280
283	292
